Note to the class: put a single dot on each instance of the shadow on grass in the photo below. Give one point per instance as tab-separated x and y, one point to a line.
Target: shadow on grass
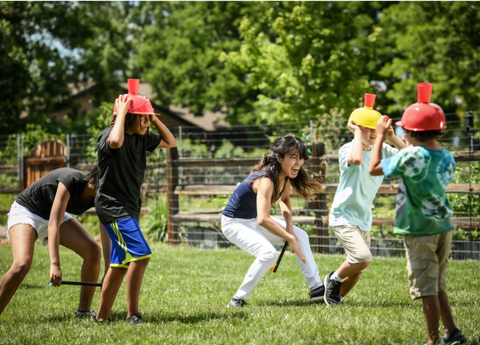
289	303
196	318
31	286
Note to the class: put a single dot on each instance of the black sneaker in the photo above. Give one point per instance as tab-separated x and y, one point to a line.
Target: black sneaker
135	319
236	303
317	294
454	337
332	290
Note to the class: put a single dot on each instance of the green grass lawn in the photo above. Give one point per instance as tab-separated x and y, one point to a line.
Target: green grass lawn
186	290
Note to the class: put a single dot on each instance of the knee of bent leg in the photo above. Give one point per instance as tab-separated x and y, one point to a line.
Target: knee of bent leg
301	235
93	252
269	256
22	266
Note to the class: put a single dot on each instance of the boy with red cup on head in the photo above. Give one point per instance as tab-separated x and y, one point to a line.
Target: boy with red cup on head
122	163
351	211
423	212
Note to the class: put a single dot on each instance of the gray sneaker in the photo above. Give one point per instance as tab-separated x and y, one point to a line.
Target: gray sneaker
332	290
317	294
236	303
88	314
135	319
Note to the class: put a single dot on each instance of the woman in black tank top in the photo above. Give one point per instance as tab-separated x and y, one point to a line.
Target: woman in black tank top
41	212
271	180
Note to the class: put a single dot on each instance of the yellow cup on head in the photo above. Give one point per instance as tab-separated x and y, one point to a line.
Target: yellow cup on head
366	116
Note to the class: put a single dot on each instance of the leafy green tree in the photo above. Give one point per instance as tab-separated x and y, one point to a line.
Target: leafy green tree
308	58
435	42
179	55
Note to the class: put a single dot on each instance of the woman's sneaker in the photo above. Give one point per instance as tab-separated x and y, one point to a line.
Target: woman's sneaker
332	290
454	337
236	303
135	319
317	294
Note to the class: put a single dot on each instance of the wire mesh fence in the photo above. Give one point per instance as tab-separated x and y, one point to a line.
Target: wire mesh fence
194	215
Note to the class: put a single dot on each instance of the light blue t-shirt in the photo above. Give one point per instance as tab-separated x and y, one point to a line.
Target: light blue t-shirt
422	206
352	204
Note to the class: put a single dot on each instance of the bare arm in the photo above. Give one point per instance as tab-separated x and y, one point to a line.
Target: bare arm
396	141
168	140
383	126
117	135
264	197
356	155
56	217
286	208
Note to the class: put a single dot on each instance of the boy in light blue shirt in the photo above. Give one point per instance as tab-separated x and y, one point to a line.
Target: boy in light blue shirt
351	211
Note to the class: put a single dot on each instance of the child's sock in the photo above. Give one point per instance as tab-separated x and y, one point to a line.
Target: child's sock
336	277
342	298
83	311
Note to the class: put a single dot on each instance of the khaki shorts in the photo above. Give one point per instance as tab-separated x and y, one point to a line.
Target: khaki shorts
355	242
427	258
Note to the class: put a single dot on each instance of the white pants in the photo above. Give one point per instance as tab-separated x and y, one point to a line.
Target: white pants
256	240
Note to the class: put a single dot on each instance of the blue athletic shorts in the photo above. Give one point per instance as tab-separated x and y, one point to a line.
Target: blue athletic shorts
128	243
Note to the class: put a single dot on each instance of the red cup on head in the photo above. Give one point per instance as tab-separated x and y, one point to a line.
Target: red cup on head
424	92
369	100
133	85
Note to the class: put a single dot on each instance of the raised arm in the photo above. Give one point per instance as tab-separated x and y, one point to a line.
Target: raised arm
117	135
168	140
383	126
396	141
356	155
264	197
56	216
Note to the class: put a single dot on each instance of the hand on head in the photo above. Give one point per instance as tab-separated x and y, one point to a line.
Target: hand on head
384	125
122	103
352	126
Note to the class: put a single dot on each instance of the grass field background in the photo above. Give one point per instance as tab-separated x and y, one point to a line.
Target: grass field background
186	290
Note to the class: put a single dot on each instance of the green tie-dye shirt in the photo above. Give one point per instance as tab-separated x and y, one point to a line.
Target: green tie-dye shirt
422	206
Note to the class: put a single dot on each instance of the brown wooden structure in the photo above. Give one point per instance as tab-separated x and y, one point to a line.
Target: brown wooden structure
320	220
47	156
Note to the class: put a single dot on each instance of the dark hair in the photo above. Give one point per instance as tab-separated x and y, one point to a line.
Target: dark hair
129	120
303	183
426	135
93	175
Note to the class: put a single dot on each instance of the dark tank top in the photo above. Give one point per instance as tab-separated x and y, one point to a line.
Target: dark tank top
243	202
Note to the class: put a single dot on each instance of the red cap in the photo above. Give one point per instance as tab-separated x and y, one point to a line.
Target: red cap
423	116
139	104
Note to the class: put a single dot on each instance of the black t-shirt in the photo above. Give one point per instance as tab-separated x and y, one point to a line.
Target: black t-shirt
121	175
39	196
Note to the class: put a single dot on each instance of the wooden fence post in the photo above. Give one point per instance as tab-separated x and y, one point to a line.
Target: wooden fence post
172	198
320	202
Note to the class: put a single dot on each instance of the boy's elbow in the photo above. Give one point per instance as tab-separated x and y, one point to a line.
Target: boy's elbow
354	161
172	144
114	144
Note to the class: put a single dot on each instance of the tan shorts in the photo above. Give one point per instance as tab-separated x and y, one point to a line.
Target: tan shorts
427	258
355	242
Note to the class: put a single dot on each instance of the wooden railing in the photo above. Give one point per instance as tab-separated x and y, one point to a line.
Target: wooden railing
320	220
